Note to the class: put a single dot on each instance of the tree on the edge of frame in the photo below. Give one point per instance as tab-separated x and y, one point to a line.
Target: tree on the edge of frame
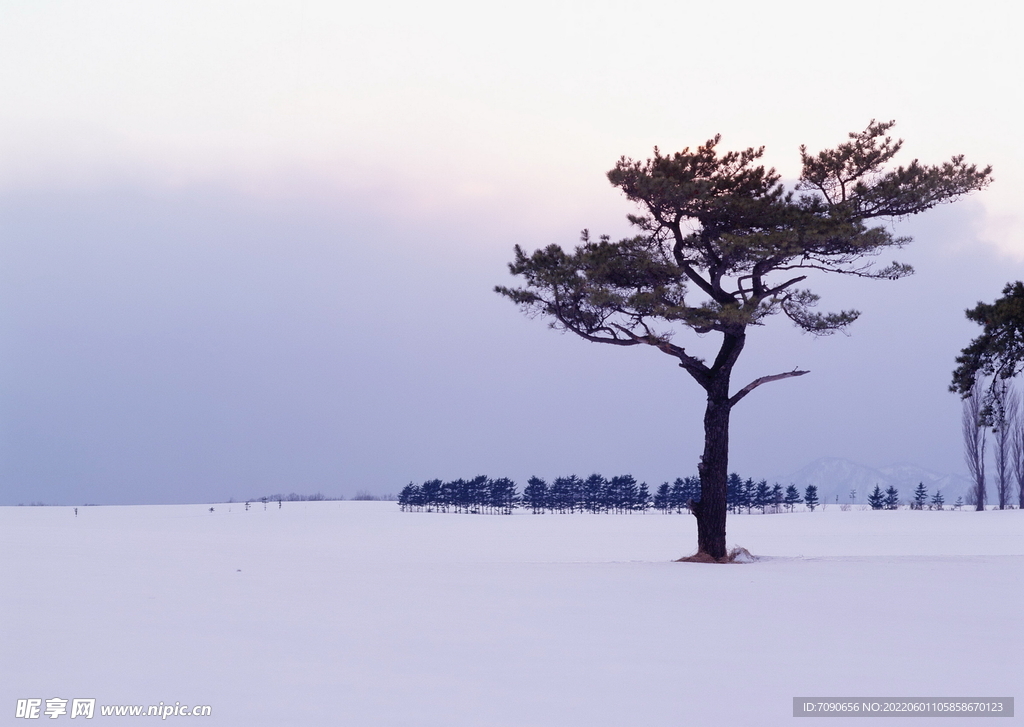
721	246
999	351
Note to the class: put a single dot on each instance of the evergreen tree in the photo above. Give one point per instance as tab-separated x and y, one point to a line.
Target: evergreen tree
747	491
678	495
892	498
447	495
593	493
734	486
811	497
504	497
623	492
776	497
999	350
959	503
535	495
920	496
876	499
560	495
691	491
430	492
478	493
721	246
417	501
643	497
937	500
574	489
792	498
463	494
661	497
762	496
406	497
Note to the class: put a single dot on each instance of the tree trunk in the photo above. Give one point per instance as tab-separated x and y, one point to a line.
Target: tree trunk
713	469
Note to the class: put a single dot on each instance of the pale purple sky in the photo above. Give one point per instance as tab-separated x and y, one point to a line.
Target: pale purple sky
249	248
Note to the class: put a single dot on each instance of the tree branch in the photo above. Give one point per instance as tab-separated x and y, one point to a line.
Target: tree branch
779	288
694	366
763	380
862	272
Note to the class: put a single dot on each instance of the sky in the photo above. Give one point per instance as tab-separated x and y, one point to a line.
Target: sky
249	248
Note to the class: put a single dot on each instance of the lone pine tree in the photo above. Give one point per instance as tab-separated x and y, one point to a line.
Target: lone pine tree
721	245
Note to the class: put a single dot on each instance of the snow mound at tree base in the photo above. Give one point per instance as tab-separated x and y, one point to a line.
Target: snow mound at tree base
736	555
741	555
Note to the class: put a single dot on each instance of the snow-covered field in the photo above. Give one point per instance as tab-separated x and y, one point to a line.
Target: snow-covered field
353	613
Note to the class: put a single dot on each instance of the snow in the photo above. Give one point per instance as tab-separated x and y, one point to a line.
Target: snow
353	613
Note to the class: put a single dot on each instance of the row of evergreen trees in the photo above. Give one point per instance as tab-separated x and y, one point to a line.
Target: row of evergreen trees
596	494
890	499
623	493
747	495
479	494
563	495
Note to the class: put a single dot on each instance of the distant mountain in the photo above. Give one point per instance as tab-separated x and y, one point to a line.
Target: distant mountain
836	478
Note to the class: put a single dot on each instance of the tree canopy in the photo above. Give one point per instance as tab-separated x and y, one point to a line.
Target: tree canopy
999	350
722	245
726	227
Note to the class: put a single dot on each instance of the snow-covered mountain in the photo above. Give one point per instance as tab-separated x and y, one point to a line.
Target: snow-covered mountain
836	478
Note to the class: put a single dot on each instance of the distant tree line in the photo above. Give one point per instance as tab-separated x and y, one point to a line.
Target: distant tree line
293	497
317	497
622	494
595	494
476	495
369	496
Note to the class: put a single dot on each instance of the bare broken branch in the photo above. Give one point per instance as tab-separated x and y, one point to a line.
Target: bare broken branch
763	380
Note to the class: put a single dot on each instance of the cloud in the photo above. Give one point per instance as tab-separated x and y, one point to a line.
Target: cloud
530	102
